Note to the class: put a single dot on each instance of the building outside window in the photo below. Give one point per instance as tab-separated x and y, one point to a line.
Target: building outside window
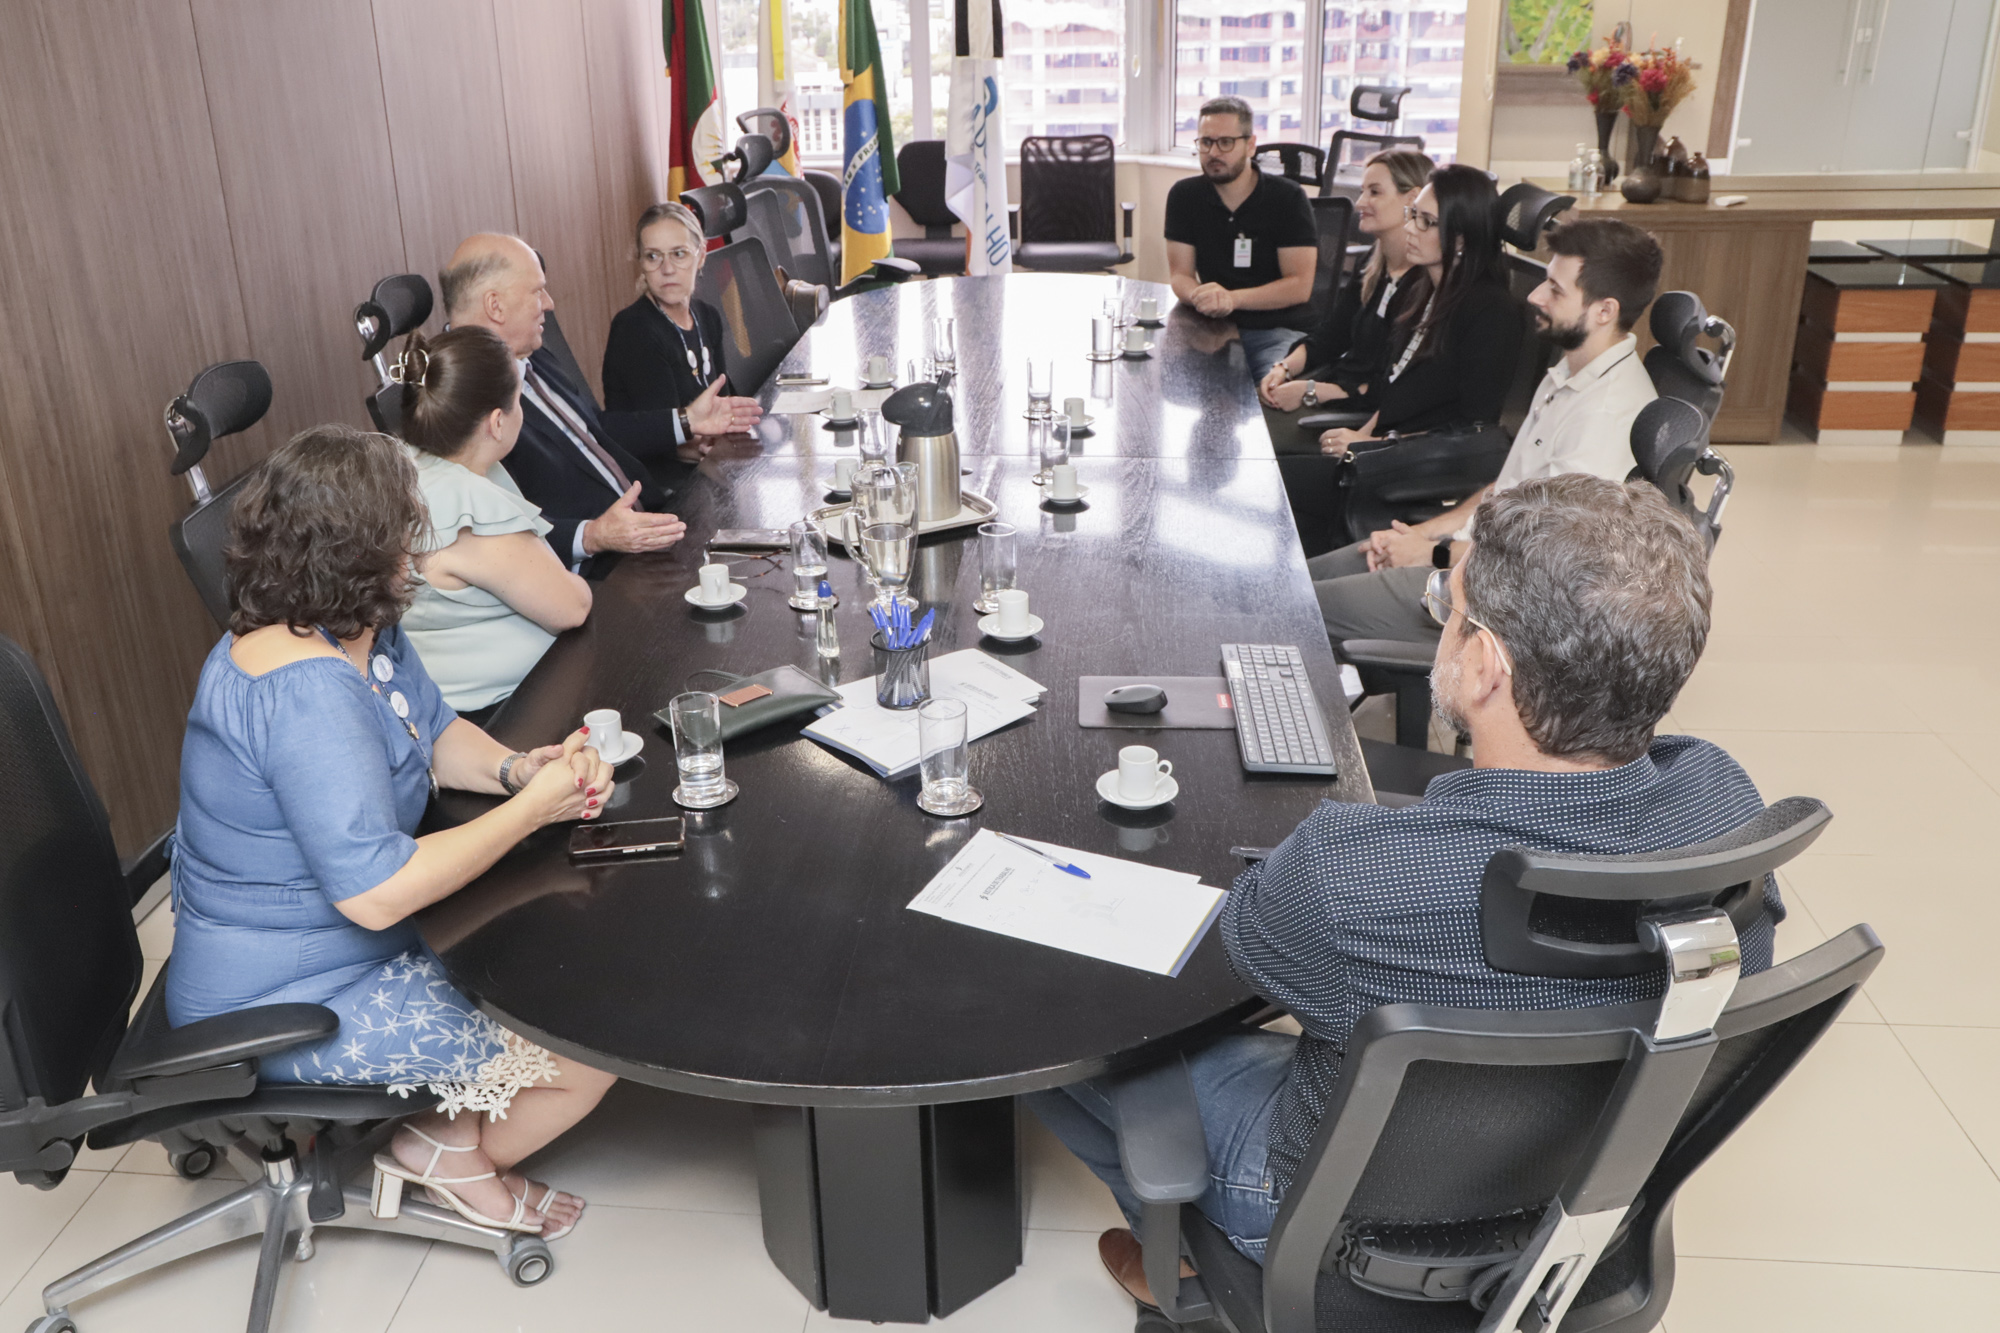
1415	43
1065	70
1247	64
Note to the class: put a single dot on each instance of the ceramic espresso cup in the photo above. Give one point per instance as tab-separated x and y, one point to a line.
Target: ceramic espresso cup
714	582
1074	410
1062	481
878	369
1140	769
843	405
843	474
607	730
1149	307
1013	610
1135	339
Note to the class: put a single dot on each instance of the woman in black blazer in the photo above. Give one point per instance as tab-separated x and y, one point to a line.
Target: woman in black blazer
665	348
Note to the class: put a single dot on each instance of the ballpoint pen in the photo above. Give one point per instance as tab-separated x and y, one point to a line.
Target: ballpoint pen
1078	871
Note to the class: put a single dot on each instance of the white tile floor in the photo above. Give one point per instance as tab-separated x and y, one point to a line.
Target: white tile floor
1854	658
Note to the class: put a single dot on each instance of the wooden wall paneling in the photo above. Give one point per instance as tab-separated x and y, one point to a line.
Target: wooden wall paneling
447	127
546	76
627	91
114	252
295	97
1728	75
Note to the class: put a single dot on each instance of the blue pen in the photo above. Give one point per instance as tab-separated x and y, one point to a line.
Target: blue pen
1078	871
923	626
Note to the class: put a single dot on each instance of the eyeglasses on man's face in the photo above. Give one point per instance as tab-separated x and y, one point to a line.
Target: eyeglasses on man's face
678	257
1420	220
1220	144
1437	601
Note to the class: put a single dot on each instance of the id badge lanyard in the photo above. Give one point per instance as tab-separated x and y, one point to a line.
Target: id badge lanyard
1244	249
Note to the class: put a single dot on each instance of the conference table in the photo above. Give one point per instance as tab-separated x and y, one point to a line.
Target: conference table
774	961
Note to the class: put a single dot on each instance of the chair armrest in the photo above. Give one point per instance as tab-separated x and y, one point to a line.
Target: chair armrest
1129	209
1348	420
1250	856
146	867
1390	654
1013	222
152	1049
1160	1141
905	267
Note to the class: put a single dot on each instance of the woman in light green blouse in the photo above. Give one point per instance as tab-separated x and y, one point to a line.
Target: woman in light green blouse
493	594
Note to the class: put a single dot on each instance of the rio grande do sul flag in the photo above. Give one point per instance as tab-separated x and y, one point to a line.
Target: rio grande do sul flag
869	177
695	140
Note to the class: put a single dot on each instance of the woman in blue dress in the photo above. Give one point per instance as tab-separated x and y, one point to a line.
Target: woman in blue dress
315	741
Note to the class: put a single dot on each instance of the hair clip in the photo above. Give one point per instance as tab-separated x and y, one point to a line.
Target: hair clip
413	367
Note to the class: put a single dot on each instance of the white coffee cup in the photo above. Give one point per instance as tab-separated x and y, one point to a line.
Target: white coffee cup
1073	409
714	582
1062	481
878	370
843	405
1149	307
1140	769
843	474
1135	339
1013	610
607	731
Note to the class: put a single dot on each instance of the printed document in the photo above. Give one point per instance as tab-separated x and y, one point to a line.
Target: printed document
790	401
1135	915
994	694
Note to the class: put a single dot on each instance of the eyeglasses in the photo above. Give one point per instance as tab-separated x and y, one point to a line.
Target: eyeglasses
678	257
1437	601
1226	144
1421	221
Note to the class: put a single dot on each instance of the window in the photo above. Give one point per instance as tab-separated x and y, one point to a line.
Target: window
1246	26
1395	42
1064	56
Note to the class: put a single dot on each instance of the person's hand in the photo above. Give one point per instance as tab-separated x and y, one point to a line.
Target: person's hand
1399	546
1211	300
714	413
1276	375
1288	397
696	449
1336	442
574	783
623	528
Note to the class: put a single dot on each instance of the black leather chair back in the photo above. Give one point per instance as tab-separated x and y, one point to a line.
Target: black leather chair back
1526	211
198	539
399	304
920	166
758	327
720	208
770	122
69	956
1068	188
227	397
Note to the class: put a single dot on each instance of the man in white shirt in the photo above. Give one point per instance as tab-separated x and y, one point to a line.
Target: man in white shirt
1602	275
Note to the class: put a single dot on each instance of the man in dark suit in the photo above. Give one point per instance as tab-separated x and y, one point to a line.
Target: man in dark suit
588	481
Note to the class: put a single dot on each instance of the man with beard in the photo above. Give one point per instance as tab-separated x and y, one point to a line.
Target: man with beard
1241	245
1566	633
1600	280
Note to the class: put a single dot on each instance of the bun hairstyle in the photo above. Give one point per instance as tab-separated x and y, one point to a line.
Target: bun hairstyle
451	383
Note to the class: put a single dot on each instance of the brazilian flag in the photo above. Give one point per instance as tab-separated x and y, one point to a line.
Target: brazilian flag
869	177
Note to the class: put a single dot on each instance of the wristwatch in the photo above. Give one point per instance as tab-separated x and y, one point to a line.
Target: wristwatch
687	425
1311	396
507	772
1441	555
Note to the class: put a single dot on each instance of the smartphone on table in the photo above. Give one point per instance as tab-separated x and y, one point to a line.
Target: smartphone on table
637	837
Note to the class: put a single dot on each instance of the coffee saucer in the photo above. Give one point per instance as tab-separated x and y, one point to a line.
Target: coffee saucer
839	423
737	592
1050	497
1107	788
1137	353
1151	323
839	496
629	745
990	627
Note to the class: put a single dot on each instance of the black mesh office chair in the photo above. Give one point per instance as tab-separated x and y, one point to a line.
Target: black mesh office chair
798	208
758	327
1065	220
768	222
1333	222
828	187
722	209
920	166
69	968
226	398
399	304
1514	1170
1300	163
1527	211
1348	150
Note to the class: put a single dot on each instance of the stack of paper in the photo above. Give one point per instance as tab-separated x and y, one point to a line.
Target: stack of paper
1136	915
885	739
790	401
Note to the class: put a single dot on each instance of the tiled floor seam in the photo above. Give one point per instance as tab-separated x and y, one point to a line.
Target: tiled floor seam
29	1271
409	1287
1924	1074
1834	1263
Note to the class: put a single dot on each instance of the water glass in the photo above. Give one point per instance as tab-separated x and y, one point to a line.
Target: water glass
886	493
1103	339
944	347
1048	443
998	543
888	551
808	563
1114	311
1041	384
946	758
872	436
696	718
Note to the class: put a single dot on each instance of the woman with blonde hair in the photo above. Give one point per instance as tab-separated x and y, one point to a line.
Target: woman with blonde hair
665	349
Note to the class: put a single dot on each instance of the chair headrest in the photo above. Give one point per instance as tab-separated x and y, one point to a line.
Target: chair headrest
770	122
721	208
1667	436
398	305
1526	211
228	397
1678	320
1375	101
1726	872
751	157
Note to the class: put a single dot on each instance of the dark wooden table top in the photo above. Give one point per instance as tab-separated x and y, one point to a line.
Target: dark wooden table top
775	959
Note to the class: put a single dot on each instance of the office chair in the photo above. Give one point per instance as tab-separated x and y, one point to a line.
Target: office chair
1290	160
399	304
939	253
772	124
226	398
1379	104
758	326
1333	221
721	208
766	221
1064	222
69	969
1514	1170
827	185
798	207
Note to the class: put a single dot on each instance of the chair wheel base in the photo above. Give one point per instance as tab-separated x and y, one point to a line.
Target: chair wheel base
528	1261
53	1323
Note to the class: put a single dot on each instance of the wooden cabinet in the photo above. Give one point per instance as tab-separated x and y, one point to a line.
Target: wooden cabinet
1958	399
1859	350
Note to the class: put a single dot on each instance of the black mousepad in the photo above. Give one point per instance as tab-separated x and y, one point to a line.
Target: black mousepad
1194	703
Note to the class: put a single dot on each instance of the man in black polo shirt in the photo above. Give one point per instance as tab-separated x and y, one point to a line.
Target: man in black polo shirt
1241	244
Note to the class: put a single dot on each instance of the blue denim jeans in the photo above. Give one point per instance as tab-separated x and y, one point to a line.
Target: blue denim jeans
1263	347
1236	1081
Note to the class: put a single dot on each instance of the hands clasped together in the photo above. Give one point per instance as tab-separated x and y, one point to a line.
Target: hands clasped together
565	782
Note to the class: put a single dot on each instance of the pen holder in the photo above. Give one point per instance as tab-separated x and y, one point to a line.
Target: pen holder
902	675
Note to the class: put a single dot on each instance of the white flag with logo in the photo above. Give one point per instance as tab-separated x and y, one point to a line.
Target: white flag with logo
975	170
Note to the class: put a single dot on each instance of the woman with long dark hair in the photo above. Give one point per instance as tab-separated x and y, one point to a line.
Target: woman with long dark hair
1449	363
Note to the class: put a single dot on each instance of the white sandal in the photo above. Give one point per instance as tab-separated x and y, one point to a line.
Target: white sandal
550	1192
386	1201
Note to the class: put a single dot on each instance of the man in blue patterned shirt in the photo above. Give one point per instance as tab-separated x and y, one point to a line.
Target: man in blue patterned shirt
1568	630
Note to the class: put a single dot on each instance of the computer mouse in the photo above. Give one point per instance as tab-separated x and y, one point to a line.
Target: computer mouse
1135	699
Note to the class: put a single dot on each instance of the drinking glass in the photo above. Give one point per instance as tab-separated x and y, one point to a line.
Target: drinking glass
946	759
808	563
997	547
1114	312
872	436
696	718
1048	443
1041	384
888	551
886	493
944	347
1103	338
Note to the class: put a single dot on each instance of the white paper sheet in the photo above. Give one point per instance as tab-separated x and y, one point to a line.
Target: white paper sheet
1134	915
791	401
885	739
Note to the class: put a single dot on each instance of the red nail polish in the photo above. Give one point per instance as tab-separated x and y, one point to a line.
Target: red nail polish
586	731
591	792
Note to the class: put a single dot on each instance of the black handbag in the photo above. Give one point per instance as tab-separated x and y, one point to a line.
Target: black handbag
773	696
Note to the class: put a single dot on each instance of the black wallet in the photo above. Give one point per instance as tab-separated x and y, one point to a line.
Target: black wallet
752	702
